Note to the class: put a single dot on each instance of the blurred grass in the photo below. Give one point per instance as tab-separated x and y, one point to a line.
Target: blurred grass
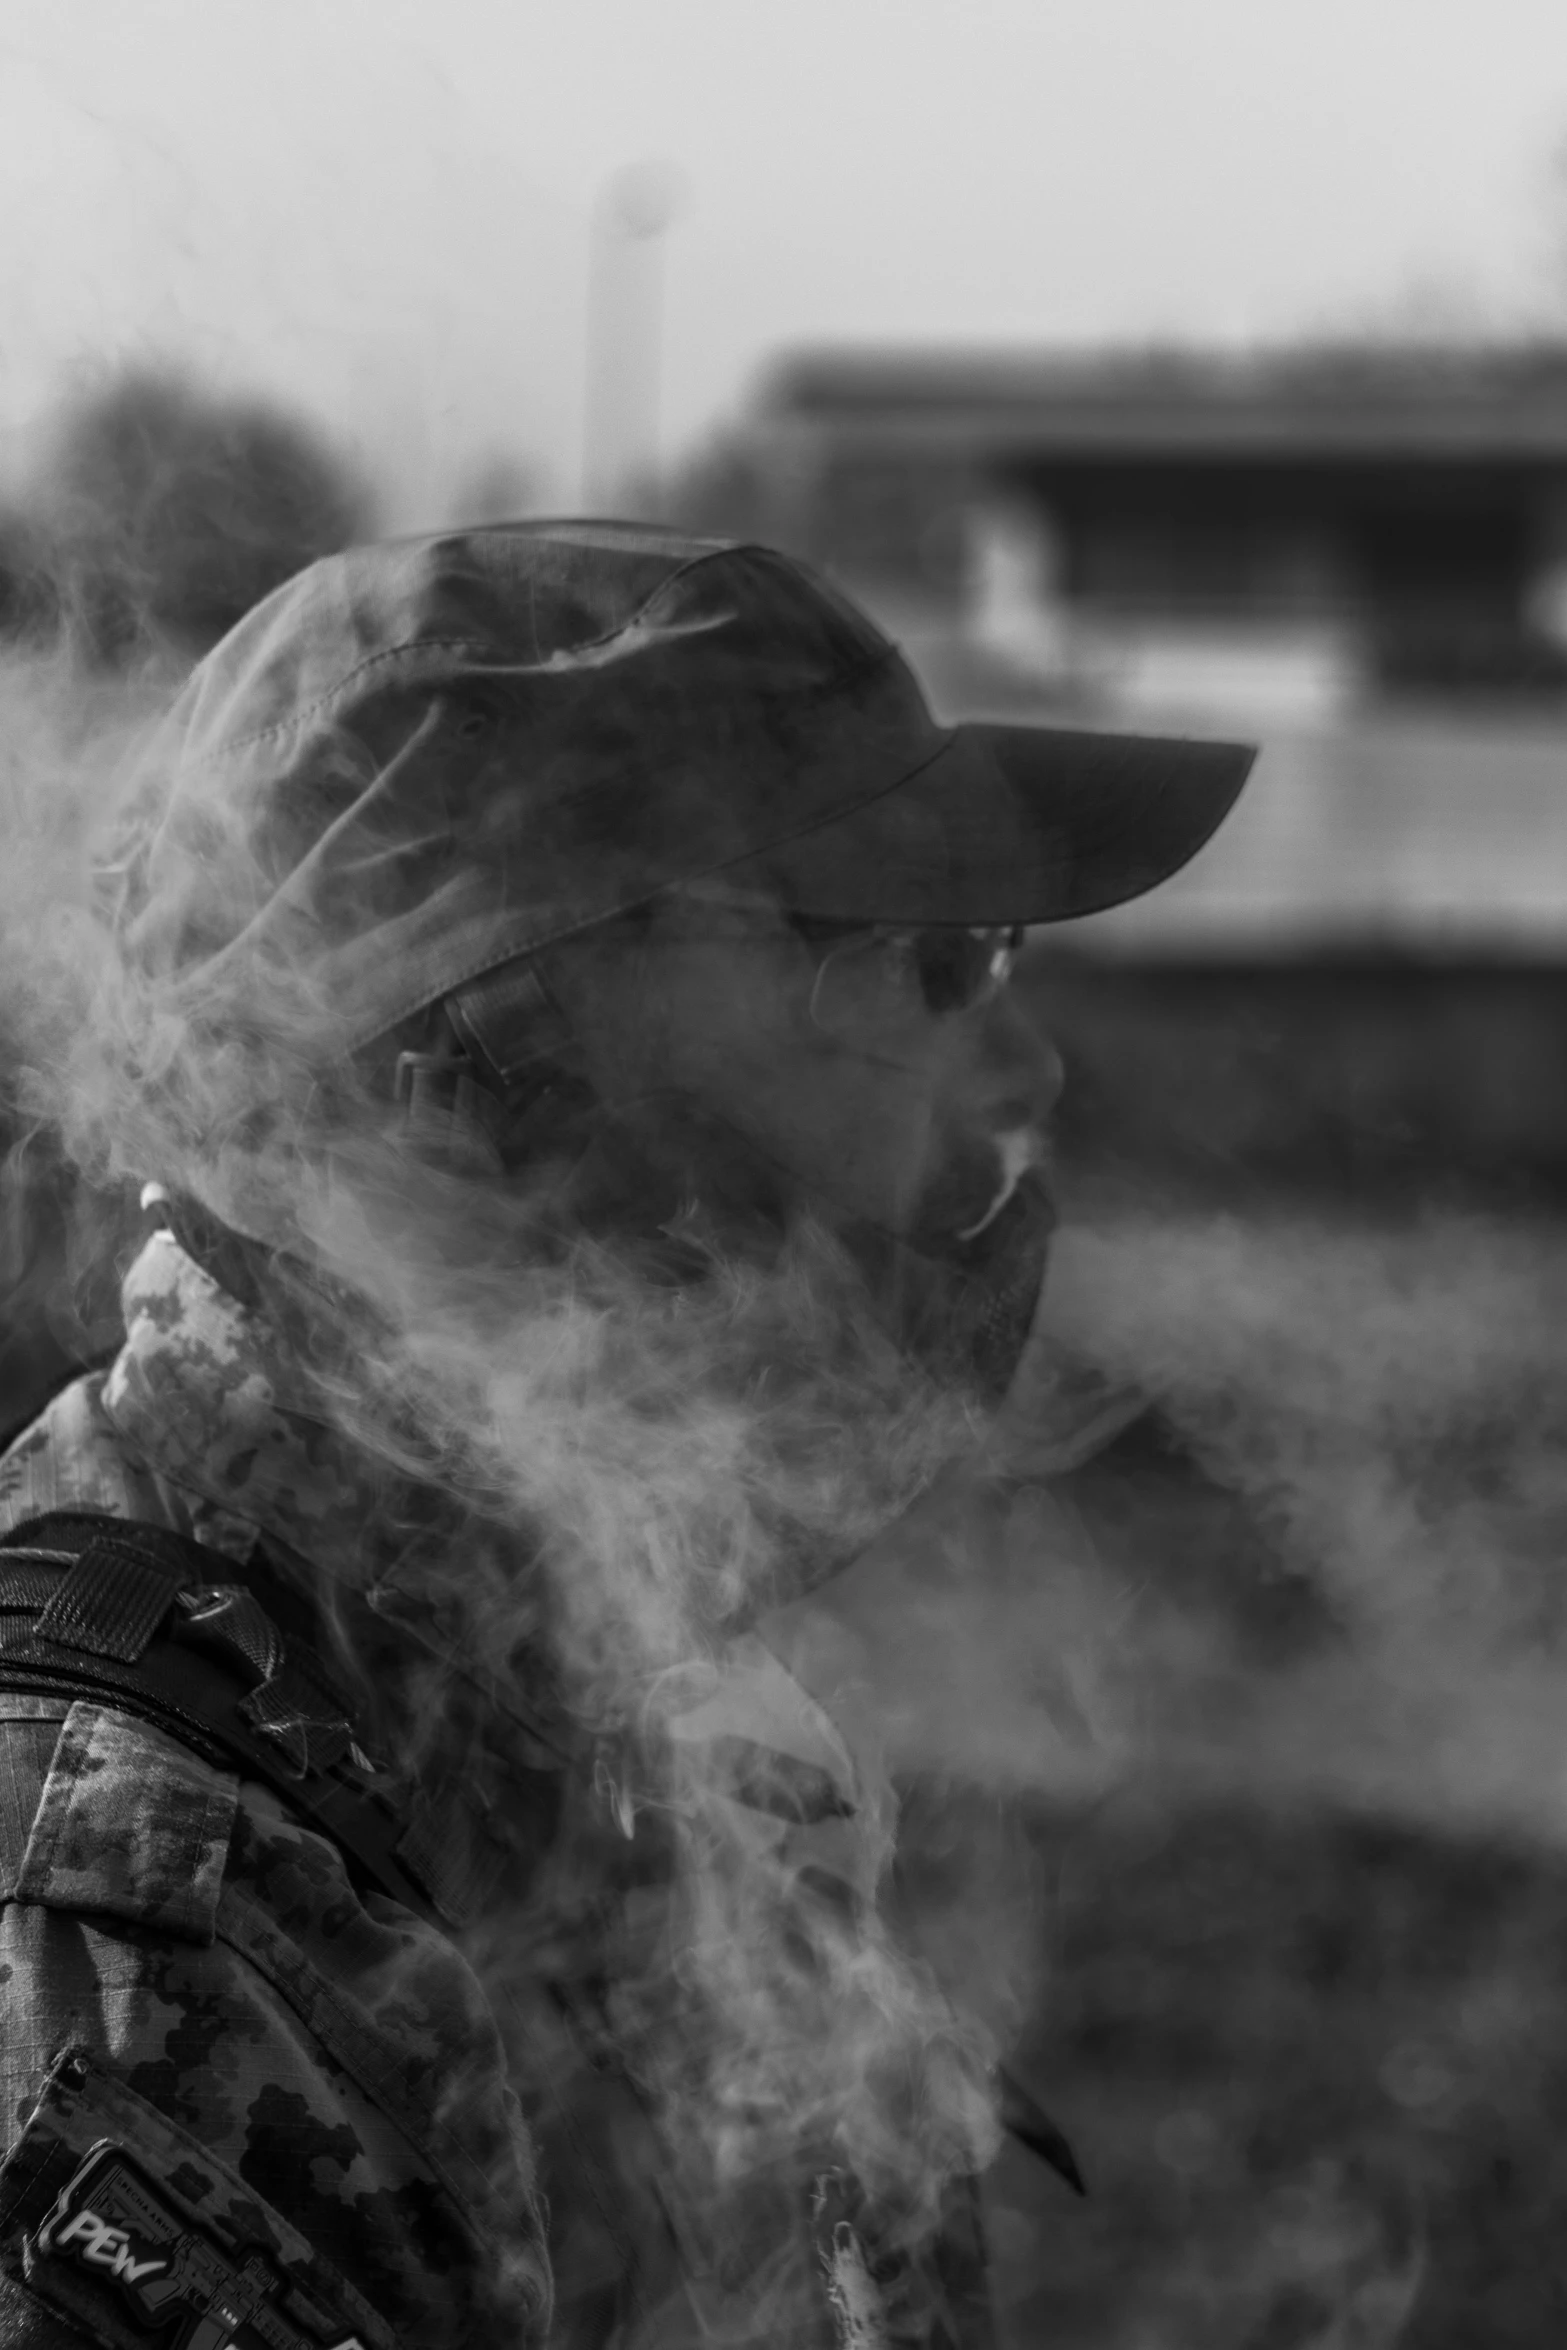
1300	1964
1360	1079
1315	2069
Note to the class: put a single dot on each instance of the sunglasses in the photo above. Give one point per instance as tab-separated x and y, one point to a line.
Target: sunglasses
954	970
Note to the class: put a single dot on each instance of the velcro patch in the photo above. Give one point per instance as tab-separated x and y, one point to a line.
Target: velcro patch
112	2223
116	2216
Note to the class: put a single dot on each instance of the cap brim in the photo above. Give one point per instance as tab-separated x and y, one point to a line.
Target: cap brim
1013	824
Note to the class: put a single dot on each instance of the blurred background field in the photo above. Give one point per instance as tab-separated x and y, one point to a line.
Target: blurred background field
1205	387
1299	2007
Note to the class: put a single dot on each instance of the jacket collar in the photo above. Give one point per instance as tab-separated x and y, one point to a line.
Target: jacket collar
205	1392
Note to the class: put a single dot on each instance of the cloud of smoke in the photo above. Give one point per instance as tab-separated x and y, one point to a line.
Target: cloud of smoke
613	1458
1389	1401
624	1459
64	738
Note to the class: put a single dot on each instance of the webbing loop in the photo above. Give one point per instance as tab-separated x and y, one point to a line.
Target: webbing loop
159	1626
110	1603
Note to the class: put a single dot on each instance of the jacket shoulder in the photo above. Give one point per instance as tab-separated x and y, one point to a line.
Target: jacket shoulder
70	1457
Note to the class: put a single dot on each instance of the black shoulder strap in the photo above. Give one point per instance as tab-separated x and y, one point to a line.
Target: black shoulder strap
142	1618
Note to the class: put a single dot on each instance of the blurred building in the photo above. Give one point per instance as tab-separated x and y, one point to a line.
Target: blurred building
1297	531
1357	559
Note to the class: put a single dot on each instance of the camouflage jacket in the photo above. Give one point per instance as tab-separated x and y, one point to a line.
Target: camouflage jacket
331	2055
281	2061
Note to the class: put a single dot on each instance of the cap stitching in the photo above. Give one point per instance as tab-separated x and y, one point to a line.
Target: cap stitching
453	644
434	644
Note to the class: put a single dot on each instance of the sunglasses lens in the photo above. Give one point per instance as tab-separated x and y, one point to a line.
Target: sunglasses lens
952	970
961	969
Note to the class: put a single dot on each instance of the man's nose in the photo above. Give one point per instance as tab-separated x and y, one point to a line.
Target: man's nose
1016	1073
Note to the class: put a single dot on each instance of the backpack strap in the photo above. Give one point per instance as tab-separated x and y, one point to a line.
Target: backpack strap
227	1660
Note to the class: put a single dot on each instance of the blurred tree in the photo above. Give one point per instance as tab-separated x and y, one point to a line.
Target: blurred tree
170	511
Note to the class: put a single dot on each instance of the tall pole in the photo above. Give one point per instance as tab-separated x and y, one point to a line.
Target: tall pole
625	331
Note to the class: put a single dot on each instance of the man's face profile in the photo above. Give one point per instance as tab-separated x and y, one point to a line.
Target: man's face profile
825	1057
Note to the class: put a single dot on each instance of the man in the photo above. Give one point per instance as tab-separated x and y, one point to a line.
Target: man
554	993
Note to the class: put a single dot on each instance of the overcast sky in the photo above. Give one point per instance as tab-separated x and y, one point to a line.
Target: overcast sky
381	207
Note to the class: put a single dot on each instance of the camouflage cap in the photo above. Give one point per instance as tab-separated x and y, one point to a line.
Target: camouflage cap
420	760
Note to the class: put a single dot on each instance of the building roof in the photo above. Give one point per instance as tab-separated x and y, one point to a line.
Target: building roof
1501	405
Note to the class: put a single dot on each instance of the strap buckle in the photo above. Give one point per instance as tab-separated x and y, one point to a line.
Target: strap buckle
447	1111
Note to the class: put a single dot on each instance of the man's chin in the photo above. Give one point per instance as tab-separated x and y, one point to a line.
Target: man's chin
964	1311
958	1291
